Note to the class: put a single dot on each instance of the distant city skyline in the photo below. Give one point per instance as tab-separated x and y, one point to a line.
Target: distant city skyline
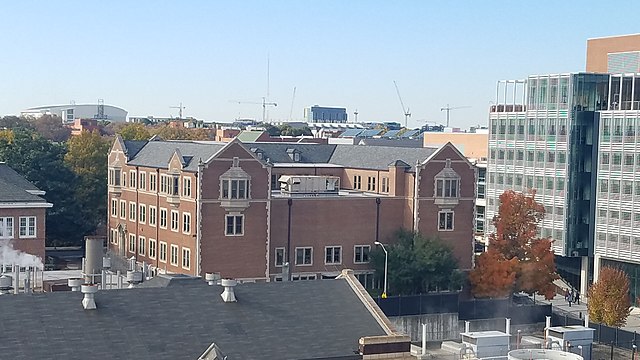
147	57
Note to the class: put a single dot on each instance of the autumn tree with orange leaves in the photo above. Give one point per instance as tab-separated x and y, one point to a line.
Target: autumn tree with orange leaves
517	260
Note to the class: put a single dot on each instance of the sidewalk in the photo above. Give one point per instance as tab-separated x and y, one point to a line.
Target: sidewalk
578	311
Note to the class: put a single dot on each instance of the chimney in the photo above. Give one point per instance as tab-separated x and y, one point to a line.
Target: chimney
92	269
75	283
89	290
16	269
228	295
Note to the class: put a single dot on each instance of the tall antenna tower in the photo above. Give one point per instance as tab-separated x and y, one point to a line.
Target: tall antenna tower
100	115
355	113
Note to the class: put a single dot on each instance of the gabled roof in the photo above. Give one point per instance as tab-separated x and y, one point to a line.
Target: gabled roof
15	188
276	320
158	153
377	157
250	135
133	147
309	153
11	176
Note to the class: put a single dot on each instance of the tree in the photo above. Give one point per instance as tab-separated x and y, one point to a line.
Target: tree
14	122
497	277
134	131
51	128
515	241
417	264
609	300
87	157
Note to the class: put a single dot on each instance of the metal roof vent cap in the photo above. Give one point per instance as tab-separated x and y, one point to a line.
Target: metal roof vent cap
228	295
89	290
75	283
212	278
5	284
133	278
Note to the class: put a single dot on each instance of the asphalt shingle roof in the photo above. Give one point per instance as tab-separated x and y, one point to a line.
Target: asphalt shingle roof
15	188
158	153
278	320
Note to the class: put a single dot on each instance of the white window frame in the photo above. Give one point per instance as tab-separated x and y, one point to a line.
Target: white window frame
362	247
162	252
385	184
186	223
141	245
371	183
275	256
132	243
304	248
6	227
27	226
453	218
163	210
186	258
153	182
333	254
226	225
186	186
123	209
142	213
153	246
142	180
153	215
357	182
445	191
175	220
132	211
226	184
114	208
174	255
132	179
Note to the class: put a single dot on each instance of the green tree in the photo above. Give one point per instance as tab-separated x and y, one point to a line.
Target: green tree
609	301
417	264
41	162
51	128
134	131
87	157
14	122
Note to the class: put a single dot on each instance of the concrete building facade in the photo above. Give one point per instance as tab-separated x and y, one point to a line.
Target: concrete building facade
614	54
198	207
71	112
323	114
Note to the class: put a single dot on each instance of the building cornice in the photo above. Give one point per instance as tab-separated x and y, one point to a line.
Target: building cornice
25	205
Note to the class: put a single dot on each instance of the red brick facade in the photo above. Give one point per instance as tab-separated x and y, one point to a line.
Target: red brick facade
341	221
33	245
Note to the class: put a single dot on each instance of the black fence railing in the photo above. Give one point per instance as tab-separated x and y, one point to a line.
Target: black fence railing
438	303
603	334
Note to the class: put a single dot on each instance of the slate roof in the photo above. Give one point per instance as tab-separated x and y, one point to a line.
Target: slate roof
394	142
15	188
158	153
133	146
377	157
309	153
277	320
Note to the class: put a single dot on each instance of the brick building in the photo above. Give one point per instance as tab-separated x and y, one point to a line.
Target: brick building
22	213
240	208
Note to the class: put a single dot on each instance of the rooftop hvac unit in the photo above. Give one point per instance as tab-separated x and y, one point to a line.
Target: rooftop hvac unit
486	343
309	185
575	339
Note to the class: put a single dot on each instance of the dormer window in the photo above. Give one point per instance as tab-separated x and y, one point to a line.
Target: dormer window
447	183
259	153
294	154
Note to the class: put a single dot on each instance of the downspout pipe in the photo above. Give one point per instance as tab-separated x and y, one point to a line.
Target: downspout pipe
416	188
198	227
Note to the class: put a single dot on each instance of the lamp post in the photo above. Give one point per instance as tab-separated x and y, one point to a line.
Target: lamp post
580	348
633	354
386	258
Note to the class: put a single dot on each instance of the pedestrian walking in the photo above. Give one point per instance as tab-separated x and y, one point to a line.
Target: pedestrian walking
566	295
577	298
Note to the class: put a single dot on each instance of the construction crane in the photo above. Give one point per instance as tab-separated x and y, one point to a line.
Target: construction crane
180	108
355	113
293	99
405	111
449	108
264	104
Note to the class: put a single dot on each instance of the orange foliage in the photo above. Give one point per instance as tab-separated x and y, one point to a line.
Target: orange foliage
494	276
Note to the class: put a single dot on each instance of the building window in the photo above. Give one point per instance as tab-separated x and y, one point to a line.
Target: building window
445	220
304	256
142	214
279	256
371	183
132	179
385	185
132	211
152	215
152	248
447	188
235	189
115	177
174	255
186	187
6	227
186	258
234	225
169	184
114	207
27	227
132	243
123	209
361	254
303	277
153	180
141	243
163	251
142	180
357	182
333	255
163	218
186	223
175	215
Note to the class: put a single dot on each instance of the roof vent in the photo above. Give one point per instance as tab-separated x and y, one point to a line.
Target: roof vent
89	290
75	283
133	278
212	278
5	284
228	295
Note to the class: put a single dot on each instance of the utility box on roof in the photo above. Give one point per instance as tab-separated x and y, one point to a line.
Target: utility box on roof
575	339
486	343
309	185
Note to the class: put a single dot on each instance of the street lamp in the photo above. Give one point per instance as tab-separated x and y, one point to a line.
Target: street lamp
633	354
386	258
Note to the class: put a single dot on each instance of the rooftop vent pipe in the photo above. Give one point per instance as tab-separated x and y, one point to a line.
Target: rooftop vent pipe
212	278
228	295
133	278
5	284
89	290
75	283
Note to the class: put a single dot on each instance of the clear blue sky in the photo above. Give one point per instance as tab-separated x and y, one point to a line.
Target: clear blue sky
146	56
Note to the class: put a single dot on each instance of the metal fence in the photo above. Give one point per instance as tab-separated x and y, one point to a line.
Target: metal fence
603	334
436	303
